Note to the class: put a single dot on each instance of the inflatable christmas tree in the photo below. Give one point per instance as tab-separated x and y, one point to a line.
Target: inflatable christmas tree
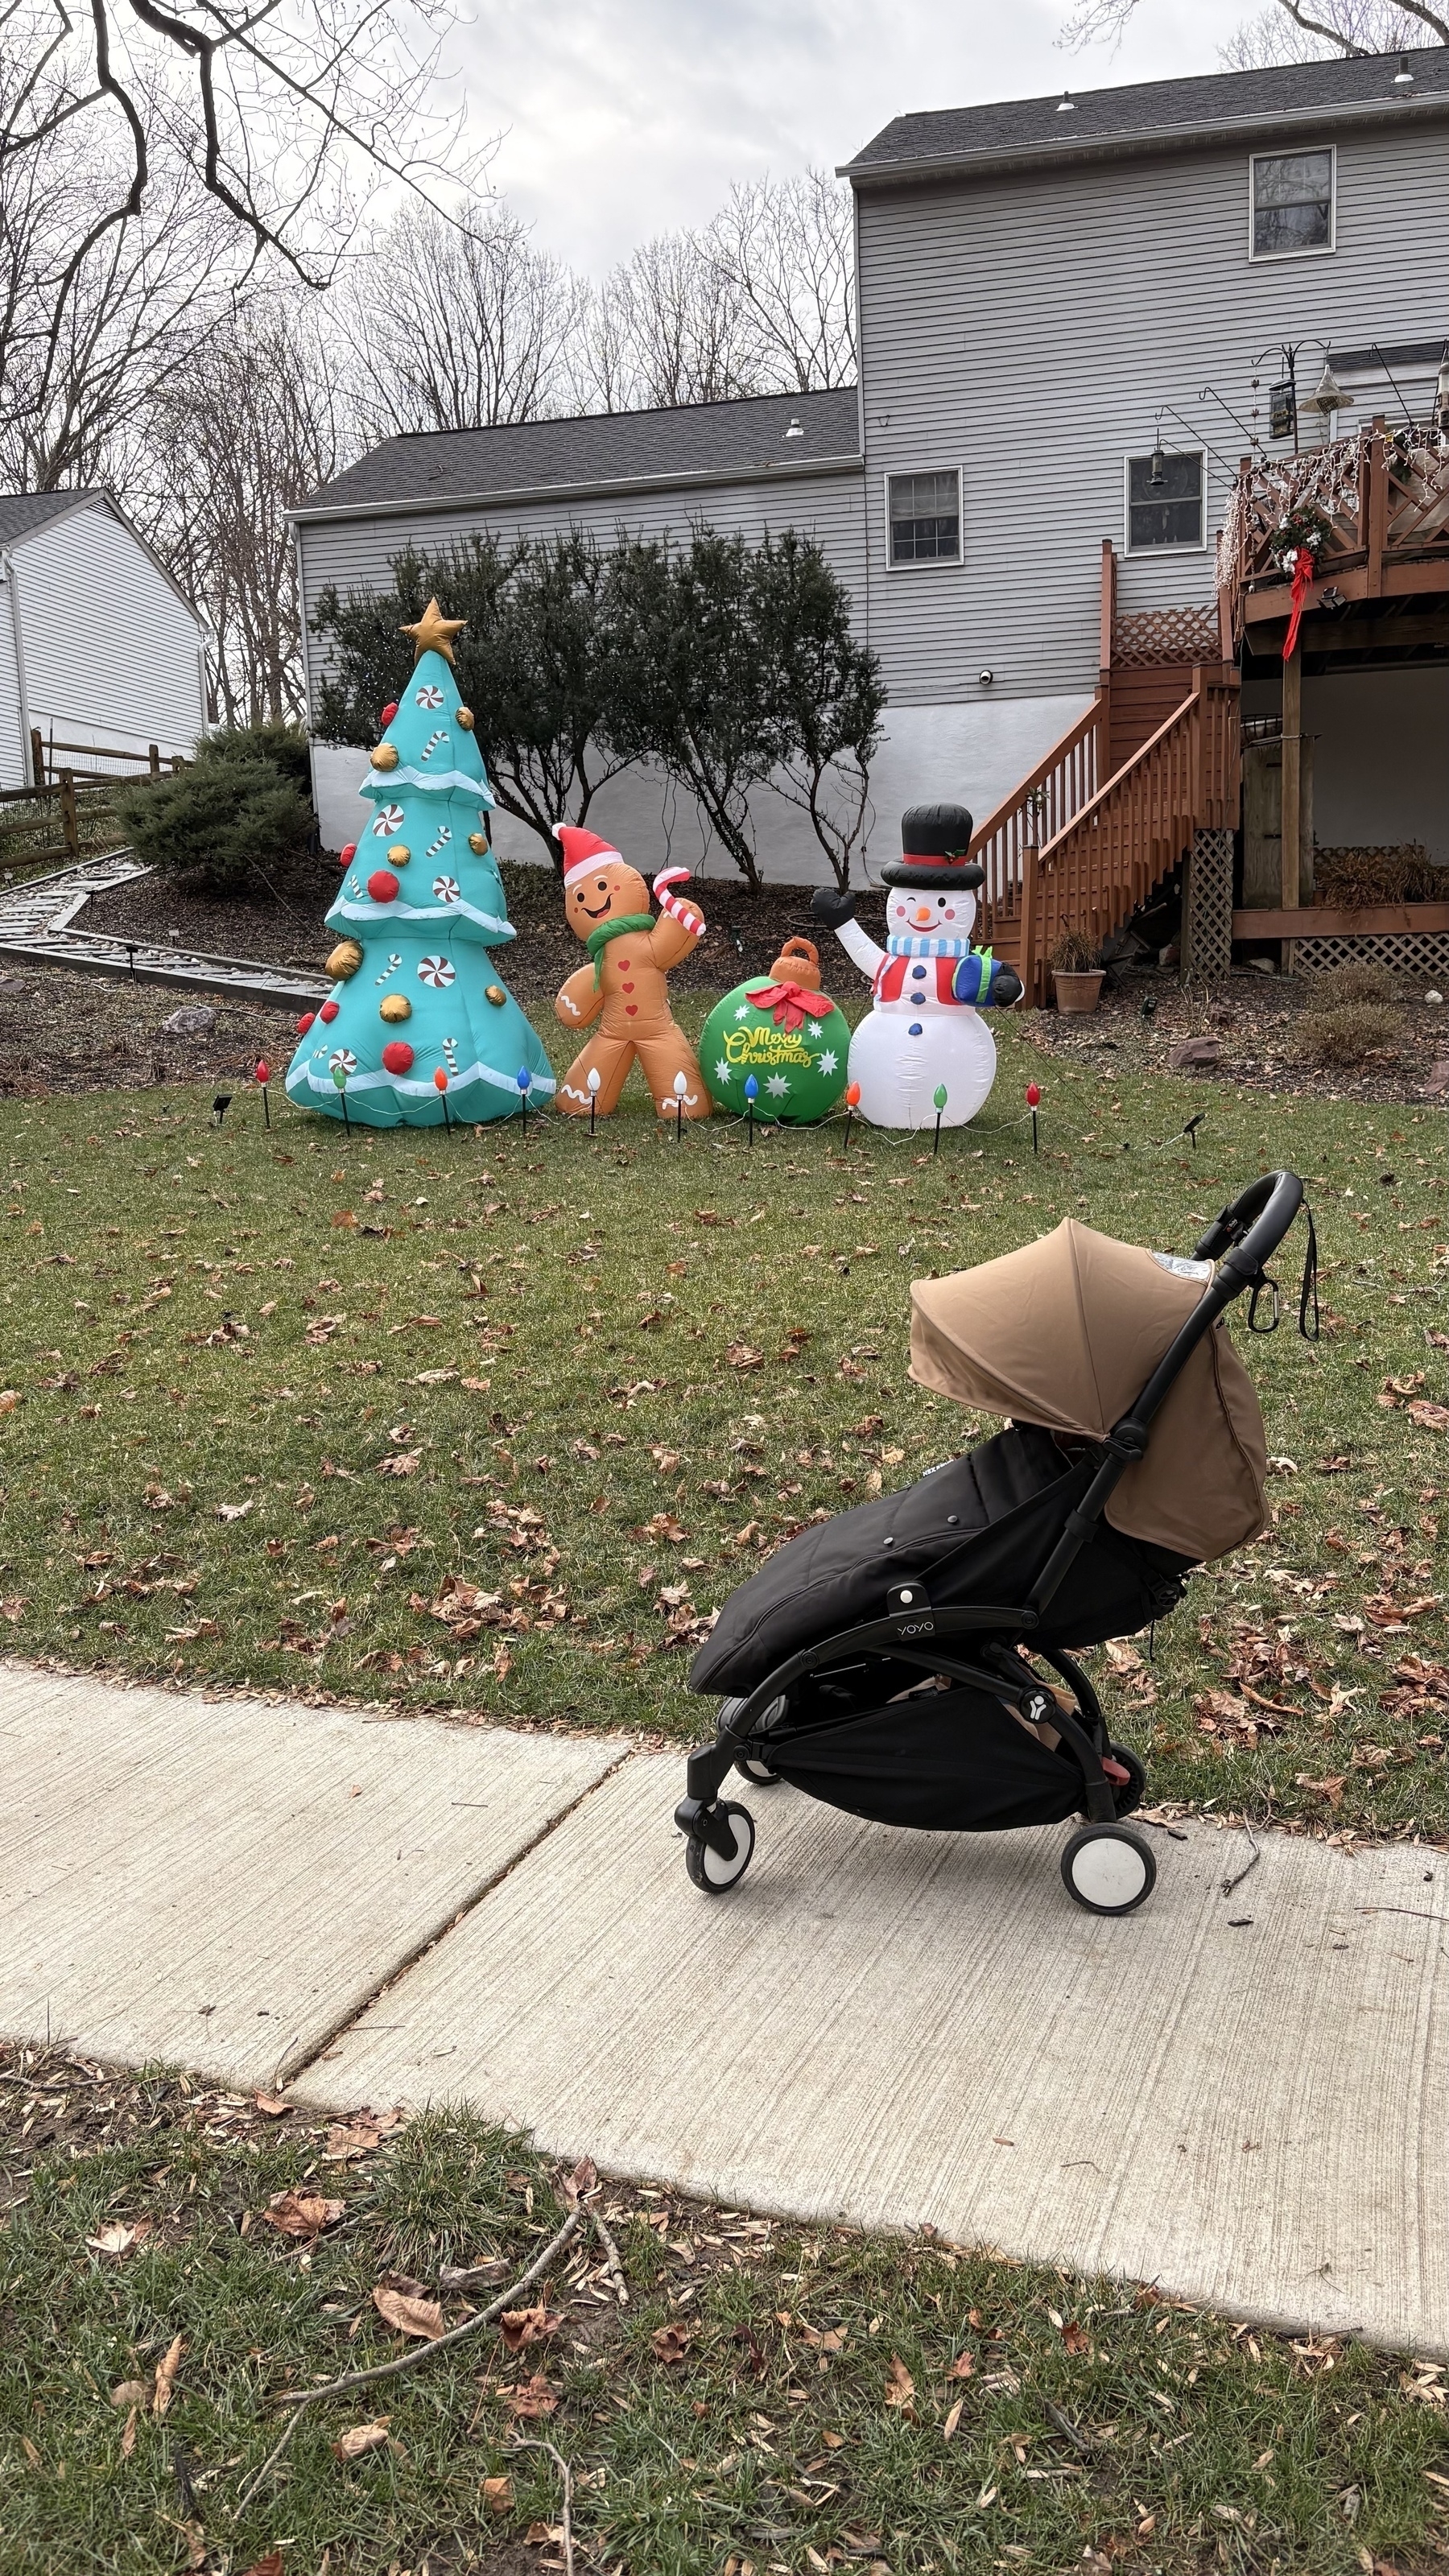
417	1026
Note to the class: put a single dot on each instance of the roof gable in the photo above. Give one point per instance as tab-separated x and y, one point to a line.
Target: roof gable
22	513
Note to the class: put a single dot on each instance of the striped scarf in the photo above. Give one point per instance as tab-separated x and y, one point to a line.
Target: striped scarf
931	946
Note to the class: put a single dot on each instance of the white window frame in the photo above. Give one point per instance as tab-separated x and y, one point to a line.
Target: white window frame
1315	250
926	563
1149	554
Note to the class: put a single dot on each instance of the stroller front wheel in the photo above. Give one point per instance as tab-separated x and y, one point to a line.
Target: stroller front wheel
712	1870
1108	1869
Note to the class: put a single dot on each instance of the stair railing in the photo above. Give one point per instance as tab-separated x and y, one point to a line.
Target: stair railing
1008	844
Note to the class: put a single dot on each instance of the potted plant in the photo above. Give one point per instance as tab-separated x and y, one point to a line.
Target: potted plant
1076	972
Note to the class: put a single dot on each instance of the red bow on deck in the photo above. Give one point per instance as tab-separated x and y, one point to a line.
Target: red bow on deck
791	1003
1299	588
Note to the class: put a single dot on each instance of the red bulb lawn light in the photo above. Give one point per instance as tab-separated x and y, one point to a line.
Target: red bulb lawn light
440	1085
1033	1098
264	1075
852	1103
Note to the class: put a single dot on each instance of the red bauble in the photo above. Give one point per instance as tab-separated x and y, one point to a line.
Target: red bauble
329	1011
1033	1094
397	1056
383	886
389	711
305	1022
349	853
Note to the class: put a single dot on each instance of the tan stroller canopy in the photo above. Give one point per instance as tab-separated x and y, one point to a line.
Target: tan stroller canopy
1066	1333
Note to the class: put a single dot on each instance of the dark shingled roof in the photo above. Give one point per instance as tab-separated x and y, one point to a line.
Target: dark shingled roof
21	513
1154	115
600	451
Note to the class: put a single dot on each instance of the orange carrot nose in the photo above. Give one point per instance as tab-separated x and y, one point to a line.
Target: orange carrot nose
923	913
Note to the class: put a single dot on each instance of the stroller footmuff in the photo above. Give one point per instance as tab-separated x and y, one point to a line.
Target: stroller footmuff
911	1660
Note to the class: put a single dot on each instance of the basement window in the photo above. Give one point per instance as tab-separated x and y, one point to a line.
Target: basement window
1165	498
923	512
1292	203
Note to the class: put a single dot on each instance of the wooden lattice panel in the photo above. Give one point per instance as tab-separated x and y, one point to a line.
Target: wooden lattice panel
1207	909
1148	635
1419	954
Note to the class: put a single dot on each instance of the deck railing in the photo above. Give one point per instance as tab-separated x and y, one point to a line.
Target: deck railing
1377	504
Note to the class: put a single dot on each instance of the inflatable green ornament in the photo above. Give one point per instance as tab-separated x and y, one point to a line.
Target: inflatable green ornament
787	1033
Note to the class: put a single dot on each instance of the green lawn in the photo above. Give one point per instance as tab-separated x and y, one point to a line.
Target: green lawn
490	1423
771	2399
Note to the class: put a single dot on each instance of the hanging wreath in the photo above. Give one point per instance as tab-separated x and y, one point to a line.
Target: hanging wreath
1304	526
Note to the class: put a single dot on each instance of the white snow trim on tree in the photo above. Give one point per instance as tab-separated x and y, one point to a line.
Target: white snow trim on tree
326	1088
371	914
435	780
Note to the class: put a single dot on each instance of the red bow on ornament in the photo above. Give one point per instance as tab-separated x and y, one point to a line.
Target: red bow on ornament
1301	568
791	1003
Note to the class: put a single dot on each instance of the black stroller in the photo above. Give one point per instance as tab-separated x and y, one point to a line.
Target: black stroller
890	1661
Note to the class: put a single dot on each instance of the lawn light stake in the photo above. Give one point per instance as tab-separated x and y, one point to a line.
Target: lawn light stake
594	1079
752	1093
1033	1102
523	1083
852	1103
914	1660
440	1085
339	1076
938	1097
681	1086
264	1075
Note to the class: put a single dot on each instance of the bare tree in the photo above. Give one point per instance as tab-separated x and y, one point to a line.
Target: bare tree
789	248
1330	26
1278	35
253	425
490	321
672	321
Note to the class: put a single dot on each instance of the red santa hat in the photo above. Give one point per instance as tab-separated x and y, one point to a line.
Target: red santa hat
581	850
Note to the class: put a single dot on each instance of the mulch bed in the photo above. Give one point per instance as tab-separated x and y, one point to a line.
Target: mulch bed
60	1032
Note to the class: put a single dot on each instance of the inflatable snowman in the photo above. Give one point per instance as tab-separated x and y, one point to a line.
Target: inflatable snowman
923	1034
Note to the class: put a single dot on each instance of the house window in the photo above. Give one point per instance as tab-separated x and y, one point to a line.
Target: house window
1292	203
924	511
1165	494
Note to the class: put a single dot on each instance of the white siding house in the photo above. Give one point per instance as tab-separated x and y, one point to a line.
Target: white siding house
99	650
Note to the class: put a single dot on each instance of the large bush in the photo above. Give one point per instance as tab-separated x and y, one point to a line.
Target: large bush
226	825
285	745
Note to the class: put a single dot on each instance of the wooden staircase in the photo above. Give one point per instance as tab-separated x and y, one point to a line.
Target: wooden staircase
1112	808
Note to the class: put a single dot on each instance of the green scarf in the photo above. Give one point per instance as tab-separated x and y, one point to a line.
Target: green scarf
598	940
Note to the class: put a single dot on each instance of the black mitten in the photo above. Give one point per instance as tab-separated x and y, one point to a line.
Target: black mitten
830	907
1008	988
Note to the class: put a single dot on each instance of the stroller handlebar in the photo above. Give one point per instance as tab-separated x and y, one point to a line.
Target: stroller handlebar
1250	1231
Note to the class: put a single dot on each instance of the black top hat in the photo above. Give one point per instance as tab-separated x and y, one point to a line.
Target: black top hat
934	843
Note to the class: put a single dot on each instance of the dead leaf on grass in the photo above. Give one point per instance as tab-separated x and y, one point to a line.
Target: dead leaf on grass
498	2494
166	2370
131	2392
399	1462
235	1511
128	2436
670	2344
952	2420
361	2437
1076	2338
577	2185
900	2388
408	2314
271	2565
522	2326
302	2214
963	2367
120	2238
532	2398
273	2105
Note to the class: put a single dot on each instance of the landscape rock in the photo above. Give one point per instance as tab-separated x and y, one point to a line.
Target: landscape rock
193	1020
1190	1053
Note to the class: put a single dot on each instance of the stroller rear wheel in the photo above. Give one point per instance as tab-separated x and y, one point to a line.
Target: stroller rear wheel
1108	1869
712	1870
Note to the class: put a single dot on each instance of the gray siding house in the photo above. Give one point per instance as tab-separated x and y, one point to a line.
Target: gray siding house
1077	315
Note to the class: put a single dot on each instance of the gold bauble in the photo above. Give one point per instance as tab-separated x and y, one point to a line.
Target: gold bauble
465	718
385	756
395	1007
495	994
478	842
345	959
398	855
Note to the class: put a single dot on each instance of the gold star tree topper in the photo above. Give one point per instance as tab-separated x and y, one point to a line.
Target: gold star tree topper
434	632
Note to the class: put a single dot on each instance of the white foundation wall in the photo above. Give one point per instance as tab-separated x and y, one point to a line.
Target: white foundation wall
968	755
1380	759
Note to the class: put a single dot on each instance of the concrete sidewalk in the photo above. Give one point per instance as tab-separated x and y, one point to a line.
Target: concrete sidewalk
895	2029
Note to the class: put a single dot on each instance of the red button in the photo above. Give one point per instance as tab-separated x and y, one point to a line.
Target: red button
328	1011
383	886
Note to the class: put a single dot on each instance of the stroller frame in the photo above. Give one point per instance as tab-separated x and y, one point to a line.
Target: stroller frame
720	1833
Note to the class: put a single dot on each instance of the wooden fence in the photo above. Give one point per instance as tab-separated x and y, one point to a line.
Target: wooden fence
145	764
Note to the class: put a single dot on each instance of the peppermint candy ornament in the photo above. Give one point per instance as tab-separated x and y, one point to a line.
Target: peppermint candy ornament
389	819
342	1061
437	972
447	890
427	697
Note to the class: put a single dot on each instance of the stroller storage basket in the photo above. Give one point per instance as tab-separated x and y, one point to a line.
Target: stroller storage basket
910	1661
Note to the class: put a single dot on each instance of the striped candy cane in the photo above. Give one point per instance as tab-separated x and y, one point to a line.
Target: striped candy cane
667	902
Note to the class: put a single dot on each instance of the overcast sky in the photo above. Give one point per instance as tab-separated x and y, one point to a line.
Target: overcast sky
626	117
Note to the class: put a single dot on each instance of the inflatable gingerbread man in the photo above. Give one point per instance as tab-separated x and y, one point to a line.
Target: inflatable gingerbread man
624	987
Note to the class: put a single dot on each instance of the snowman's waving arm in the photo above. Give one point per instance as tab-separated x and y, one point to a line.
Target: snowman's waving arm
836	911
